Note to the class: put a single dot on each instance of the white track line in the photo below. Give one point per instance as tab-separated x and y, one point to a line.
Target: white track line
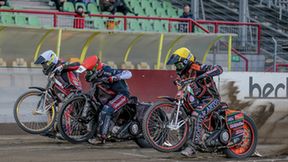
133	154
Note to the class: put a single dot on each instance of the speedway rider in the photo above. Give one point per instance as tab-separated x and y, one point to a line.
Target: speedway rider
52	64
207	98
115	79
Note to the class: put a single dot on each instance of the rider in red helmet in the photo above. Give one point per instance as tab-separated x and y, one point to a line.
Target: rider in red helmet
116	81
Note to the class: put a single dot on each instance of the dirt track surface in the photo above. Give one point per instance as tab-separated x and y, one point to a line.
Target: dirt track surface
30	148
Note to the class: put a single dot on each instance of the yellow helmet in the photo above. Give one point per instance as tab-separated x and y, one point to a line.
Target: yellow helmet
181	54
182	58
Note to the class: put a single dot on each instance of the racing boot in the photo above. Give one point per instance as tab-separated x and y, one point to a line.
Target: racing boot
189	151
104	122
100	124
105	128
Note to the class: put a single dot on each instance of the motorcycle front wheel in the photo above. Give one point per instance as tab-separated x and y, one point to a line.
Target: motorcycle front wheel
72	125
157	128
30	116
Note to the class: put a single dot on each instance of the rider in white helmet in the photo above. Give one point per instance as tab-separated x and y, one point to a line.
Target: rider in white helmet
52	64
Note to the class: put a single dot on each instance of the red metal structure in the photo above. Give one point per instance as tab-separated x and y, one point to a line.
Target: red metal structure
281	65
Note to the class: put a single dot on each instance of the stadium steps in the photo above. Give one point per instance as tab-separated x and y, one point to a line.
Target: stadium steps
31	4
259	15
217	12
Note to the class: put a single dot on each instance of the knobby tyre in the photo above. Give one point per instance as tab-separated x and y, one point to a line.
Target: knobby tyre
29	117
156	131
72	126
248	147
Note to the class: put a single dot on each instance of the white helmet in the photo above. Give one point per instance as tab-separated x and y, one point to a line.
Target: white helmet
48	60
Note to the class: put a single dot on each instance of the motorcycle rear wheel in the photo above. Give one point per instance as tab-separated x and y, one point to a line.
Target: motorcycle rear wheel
142	143
248	147
29	118
155	128
71	124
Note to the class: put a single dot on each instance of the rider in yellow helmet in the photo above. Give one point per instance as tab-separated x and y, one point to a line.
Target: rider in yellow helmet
207	98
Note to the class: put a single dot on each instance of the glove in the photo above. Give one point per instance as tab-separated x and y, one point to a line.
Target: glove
58	69
182	83
201	77
113	79
177	82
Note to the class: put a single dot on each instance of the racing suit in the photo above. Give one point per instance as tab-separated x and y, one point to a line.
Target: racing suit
116	82
67	76
207	98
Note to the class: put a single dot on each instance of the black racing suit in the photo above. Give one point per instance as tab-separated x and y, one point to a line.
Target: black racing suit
121	98
207	97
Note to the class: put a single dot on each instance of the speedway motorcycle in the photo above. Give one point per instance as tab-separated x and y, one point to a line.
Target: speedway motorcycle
35	111
166	126
78	118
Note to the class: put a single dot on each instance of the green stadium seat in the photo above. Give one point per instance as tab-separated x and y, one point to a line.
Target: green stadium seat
134	3
6	8
34	21
165	25
106	13
21	20
149	12
80	4
68	7
134	25
146	25
179	11
158	26
93	8
138	9
166	4
145	4
172	13
97	3
128	1
119	14
130	14
18	8
7	19
161	12
99	23
156	4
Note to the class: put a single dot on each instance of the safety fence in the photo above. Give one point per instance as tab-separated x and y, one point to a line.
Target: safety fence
248	34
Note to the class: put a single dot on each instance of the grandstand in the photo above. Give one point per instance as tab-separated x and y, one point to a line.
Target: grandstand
253	44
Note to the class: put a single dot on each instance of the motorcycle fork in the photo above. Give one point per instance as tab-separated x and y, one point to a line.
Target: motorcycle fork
174	125
41	107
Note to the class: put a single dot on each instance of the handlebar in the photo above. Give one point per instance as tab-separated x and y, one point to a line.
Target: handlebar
183	83
51	75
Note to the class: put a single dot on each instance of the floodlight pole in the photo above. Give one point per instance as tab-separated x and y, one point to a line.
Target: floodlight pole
243	17
195	5
275	54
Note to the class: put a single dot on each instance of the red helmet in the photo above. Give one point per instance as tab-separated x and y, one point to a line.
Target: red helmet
91	63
